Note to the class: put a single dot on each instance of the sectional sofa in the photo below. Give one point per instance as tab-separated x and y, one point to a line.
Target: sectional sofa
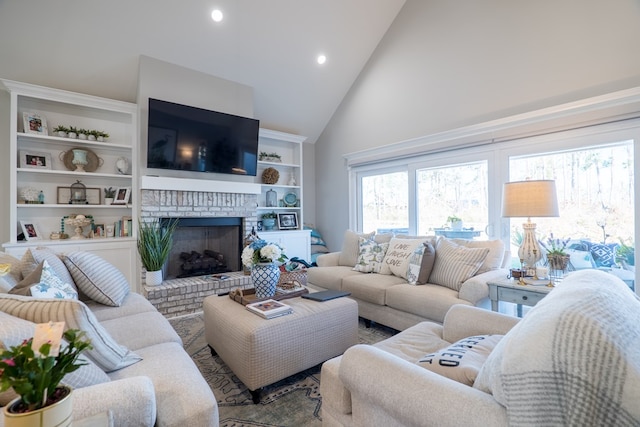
138	368
400	280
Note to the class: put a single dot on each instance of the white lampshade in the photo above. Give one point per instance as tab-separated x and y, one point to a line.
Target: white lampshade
526	199
534	198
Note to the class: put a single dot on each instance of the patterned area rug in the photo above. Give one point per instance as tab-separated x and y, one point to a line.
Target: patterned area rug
292	402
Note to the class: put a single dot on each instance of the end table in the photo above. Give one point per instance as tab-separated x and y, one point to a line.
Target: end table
511	290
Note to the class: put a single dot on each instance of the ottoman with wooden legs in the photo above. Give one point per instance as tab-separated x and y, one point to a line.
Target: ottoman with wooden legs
263	351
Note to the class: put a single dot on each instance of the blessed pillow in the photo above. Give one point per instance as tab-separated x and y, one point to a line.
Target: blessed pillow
106	352
396	261
462	360
455	264
96	278
421	264
51	286
371	256
493	261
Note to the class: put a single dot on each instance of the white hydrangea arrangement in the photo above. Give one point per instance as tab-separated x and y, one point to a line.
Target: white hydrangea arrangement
261	251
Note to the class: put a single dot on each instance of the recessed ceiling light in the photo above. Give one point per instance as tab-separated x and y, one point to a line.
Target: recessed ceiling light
321	59
216	15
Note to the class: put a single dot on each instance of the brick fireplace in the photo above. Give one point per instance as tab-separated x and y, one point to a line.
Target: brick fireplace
181	296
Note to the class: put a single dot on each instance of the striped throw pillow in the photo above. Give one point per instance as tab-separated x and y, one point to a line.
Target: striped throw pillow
106	352
455	264
96	278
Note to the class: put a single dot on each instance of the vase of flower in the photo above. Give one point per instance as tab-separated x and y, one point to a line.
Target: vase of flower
265	277
263	259
58	414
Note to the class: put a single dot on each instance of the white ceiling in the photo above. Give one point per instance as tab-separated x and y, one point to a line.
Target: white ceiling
93	47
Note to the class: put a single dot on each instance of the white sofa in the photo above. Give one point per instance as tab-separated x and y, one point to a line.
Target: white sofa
574	359
390	299
138	368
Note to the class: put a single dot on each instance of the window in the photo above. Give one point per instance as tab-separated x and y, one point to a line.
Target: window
455	190
595	187
385	202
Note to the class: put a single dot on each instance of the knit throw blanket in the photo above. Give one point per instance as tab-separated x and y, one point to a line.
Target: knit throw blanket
574	360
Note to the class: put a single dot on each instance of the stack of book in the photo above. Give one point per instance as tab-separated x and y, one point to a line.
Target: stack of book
269	308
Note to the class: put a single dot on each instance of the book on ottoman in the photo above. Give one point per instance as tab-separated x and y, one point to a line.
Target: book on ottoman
269	308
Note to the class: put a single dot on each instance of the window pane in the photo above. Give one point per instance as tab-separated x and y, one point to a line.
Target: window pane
596	201
385	203
460	191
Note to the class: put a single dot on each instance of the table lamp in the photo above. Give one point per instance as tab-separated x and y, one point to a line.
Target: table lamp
526	199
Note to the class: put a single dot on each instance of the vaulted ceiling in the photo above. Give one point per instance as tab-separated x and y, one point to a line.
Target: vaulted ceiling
93	47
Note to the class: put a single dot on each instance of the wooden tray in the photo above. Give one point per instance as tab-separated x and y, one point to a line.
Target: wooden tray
247	296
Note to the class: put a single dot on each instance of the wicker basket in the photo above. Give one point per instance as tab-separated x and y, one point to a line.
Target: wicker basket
288	278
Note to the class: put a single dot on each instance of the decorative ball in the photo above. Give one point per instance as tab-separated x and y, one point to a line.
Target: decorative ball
270	176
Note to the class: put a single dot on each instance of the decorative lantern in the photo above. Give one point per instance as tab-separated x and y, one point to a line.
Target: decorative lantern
272	199
78	194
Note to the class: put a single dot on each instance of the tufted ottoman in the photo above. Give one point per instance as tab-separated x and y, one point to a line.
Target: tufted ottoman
261	352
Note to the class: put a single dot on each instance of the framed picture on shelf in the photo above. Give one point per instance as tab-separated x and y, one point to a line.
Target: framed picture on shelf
288	221
35	160
98	230
122	196
64	195
30	230
34	123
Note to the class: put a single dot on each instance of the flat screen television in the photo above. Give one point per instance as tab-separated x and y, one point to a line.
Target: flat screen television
187	138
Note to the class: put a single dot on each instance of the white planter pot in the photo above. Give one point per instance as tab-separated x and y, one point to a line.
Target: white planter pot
108	200
56	415
154	278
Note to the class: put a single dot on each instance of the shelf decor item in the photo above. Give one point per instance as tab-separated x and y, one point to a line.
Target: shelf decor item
288	221
34	369
122	196
34	160
78	194
263	258
93	161
30	230
154	244
34	123
271	199
270	157
269	220
78	222
270	176
109	195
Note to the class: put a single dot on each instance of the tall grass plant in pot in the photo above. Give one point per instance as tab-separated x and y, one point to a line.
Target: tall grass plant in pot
154	245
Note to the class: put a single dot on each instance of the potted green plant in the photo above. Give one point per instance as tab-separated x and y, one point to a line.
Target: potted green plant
35	375
82	133
625	255
60	131
109	195
455	223
556	253
269	220
72	132
154	244
102	136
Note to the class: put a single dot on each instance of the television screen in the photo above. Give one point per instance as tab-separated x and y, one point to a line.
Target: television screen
187	138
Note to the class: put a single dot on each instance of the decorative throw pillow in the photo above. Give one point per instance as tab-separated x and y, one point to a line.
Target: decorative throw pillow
455	264
24	286
51	286
493	261
106	352
421	264
396	261
462	360
96	278
371	256
14	275
351	247
33	257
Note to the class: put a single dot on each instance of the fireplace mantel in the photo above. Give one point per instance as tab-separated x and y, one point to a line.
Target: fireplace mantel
149	182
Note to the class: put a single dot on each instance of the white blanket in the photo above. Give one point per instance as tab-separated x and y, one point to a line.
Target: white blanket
574	360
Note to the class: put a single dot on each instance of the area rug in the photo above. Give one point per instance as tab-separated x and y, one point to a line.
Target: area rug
292	402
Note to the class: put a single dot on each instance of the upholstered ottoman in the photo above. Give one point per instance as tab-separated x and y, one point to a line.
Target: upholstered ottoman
261	352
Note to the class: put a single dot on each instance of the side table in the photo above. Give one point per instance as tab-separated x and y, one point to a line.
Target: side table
511	290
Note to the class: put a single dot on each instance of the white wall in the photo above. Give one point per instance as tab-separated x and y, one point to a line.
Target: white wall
446	64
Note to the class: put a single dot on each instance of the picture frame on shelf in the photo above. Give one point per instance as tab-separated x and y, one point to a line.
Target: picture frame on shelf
30	230
122	196
99	231
34	160
34	123
64	195
288	221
